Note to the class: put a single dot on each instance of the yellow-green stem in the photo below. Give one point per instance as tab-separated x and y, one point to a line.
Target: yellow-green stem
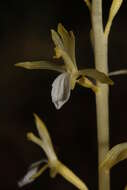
102	106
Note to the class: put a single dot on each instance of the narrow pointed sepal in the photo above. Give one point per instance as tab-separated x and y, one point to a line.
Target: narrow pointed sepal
65	172
57	39
68	39
46	142
61	90
65	47
46	65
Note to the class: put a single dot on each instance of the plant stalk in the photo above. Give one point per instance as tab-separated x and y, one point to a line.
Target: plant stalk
102	105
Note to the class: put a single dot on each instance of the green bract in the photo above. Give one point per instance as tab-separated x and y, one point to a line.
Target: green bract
114	156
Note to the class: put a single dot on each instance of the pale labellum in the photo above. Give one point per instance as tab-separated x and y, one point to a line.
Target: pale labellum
61	90
32	170
28	177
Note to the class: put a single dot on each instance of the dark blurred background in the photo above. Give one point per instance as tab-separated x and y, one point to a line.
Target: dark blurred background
25	35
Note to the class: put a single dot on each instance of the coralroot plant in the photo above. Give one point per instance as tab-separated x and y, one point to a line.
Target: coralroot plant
97	79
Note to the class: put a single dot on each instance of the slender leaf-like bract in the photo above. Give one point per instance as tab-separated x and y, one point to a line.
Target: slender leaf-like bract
116	4
114	156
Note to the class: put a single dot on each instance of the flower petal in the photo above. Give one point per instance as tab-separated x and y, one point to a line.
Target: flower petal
97	75
61	90
65	47
32	170
56	39
41	65
67	60
35	139
37	174
68	39
65	172
115	155
46	139
42	130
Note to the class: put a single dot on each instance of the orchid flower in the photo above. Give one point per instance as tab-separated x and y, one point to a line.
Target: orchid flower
70	75
52	162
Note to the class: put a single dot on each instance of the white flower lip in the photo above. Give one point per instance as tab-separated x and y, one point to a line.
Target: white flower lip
28	177
61	90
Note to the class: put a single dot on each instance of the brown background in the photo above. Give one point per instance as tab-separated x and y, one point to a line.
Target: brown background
25	35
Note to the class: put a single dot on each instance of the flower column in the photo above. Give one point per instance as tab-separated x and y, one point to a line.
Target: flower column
100	53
